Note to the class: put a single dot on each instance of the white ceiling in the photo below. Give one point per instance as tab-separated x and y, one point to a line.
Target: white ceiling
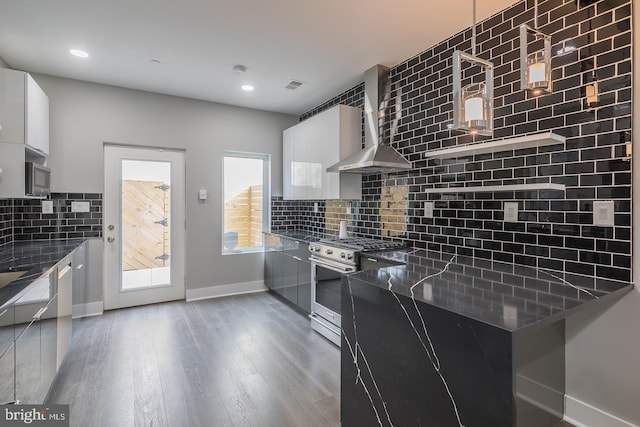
327	44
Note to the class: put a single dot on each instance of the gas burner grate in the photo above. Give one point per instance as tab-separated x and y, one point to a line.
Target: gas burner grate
364	243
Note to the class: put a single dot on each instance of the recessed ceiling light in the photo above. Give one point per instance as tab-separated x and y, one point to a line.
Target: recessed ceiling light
79	53
248	88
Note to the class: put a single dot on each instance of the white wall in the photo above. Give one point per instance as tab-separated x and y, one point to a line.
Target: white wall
85	115
603	350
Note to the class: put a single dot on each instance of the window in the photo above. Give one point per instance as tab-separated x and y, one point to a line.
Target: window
246	201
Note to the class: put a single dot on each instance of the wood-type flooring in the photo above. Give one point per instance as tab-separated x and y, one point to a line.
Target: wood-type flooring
246	360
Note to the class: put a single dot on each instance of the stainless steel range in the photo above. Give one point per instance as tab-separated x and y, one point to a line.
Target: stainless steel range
330	259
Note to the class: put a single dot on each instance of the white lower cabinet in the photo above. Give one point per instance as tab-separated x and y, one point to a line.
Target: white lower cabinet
313	145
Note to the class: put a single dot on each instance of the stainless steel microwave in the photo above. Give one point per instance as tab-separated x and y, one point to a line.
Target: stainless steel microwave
37	180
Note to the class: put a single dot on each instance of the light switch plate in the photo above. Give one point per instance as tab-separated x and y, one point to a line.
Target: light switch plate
603	213
202	194
428	209
315	207
79	206
47	206
510	212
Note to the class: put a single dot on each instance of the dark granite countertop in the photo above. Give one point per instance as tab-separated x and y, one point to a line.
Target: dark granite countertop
508	296
35	257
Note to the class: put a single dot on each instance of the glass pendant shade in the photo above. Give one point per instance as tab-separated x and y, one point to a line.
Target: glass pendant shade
472	103
538	71
474	106
535	67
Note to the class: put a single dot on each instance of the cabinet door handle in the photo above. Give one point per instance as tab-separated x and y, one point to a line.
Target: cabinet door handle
64	271
299	259
372	260
40	312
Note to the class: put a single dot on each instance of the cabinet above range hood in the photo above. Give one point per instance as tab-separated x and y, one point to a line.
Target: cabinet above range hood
376	157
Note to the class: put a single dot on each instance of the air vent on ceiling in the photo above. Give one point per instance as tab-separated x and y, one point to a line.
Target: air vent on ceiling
293	84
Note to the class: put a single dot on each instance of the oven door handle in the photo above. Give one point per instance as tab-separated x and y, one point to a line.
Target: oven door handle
333	266
316	318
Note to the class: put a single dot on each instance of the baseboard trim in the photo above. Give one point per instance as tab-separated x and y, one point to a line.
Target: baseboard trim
225	290
86	310
581	414
540	395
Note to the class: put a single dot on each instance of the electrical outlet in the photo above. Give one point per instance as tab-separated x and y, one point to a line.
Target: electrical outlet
511	212
79	206
510	315
427	291
47	206
428	209
603	213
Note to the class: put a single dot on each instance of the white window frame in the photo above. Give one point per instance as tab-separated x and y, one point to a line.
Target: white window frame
266	197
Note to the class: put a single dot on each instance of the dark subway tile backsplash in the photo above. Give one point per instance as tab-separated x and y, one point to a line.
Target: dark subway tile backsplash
6	221
23	220
555	228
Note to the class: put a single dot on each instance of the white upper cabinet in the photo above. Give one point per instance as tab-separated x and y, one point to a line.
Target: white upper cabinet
37	117
24	111
288	140
313	145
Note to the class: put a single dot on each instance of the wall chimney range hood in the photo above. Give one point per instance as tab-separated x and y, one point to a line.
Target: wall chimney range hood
376	157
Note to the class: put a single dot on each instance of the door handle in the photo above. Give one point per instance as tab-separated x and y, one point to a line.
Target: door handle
110	239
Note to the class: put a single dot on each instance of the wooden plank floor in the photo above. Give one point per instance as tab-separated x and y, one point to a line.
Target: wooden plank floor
238	361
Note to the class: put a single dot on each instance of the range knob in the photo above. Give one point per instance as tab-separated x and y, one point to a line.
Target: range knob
313	248
343	255
349	256
329	251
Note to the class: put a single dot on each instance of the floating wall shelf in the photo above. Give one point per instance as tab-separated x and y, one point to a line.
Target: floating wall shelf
490	188
508	144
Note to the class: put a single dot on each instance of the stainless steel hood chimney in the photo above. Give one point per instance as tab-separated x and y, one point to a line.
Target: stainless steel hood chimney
376	157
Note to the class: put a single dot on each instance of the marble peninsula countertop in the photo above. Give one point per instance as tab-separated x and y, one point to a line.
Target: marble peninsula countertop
36	258
508	296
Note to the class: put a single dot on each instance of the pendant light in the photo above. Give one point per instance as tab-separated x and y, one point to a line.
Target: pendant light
535	67
472	103
590	79
592	92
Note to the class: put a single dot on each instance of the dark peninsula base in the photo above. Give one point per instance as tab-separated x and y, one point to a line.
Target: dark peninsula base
408	363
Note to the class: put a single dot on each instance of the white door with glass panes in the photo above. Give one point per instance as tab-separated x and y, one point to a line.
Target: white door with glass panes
143	226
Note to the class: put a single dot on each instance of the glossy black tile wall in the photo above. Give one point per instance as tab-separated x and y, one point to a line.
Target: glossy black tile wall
6	227
297	215
29	223
554	228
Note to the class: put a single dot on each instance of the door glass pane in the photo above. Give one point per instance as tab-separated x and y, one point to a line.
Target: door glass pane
243	204
146	224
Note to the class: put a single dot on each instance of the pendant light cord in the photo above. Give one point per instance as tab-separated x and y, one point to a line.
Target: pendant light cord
473	31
